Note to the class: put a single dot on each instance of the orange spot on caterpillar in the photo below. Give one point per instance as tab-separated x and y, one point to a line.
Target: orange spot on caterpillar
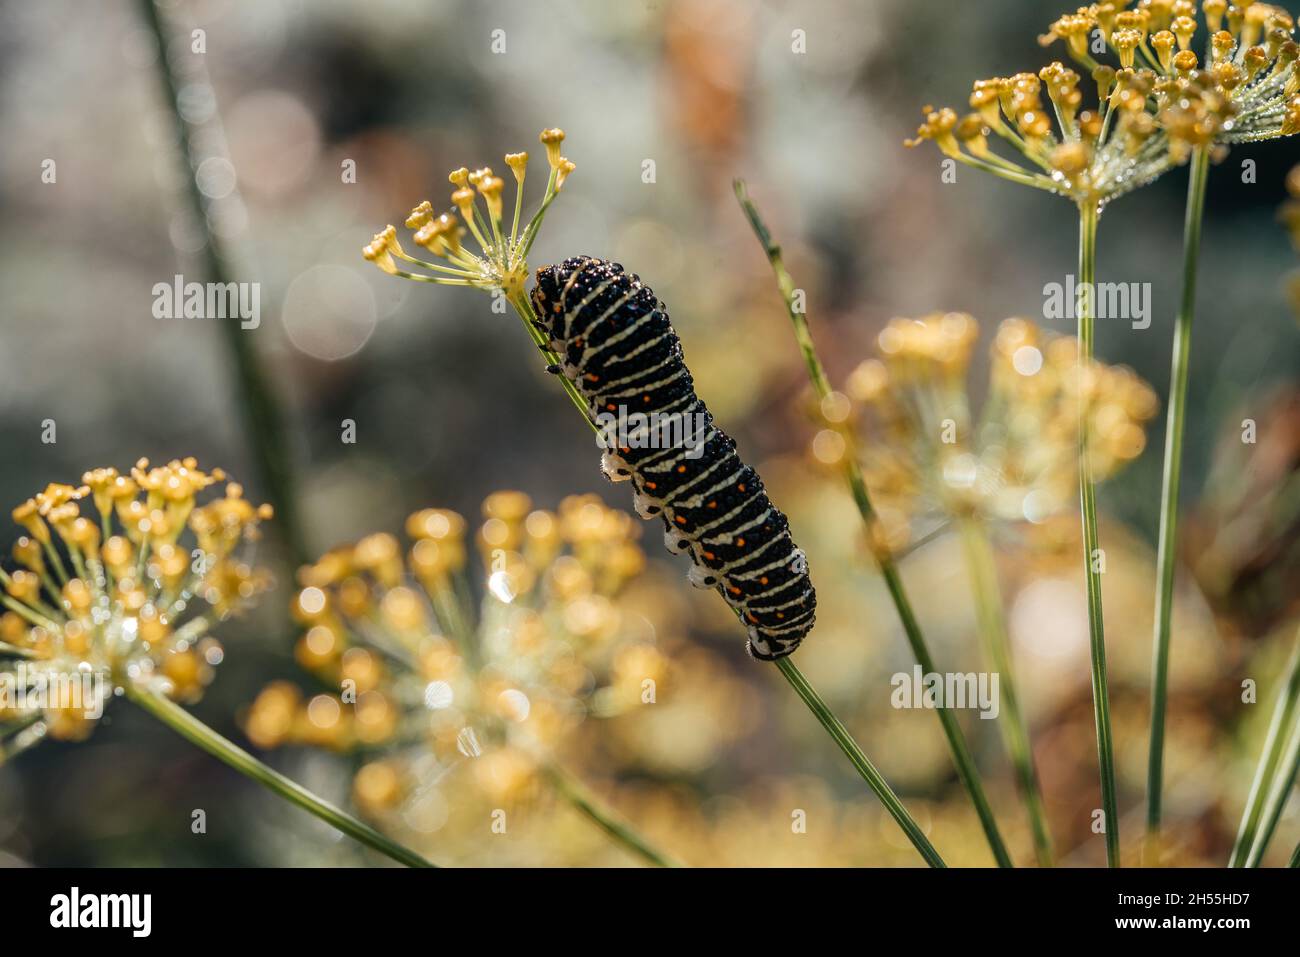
740	543
646	397
763	580
734	590
681	520
651	485
592	377
713	504
681	468
710	556
780	614
611	406
740	487
750	616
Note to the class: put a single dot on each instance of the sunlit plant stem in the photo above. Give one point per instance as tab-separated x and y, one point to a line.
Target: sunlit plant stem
576	793
874	779
962	758
1274	775
199	734
261	410
1088	214
997	650
1168	542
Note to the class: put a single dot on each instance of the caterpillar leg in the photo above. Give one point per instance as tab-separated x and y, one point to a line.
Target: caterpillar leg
675	541
615	469
701	577
645	506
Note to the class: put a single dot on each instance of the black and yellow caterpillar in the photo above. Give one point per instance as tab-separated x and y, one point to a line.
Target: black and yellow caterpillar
617	345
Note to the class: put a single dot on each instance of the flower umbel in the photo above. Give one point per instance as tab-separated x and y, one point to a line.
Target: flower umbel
930	456
426	688
134	600
1160	104
501	261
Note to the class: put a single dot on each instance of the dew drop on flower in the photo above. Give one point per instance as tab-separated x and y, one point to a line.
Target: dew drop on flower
467	743
499	585
311	600
515	704
1027	360
323	711
438	694
1037	506
960	471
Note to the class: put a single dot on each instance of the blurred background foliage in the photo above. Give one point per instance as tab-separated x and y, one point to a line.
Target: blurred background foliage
451	402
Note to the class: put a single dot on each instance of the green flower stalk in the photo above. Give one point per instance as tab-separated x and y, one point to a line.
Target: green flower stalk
1275	775
962	758
500	264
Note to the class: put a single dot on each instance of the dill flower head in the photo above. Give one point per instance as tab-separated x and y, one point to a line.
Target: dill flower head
125	593
420	685
927	455
1153	108
501	259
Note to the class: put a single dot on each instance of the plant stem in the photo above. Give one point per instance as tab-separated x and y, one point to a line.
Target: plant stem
874	779
1269	789
997	651
577	794
198	733
1168	542
962	758
1278	796
1088	506
524	307
261	411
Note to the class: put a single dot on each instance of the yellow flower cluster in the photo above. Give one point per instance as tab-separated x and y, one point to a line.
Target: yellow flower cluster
502	259
421	685
123	595
1162	101
927	456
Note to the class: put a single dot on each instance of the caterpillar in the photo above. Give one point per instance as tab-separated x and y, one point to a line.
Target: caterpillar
616	346
619	348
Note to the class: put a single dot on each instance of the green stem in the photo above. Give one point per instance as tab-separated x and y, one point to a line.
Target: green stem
198	733
997	651
524	307
261	411
1295	857
1175	418
874	779
1278	796
962	758
1269	788
577	794
1091	552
